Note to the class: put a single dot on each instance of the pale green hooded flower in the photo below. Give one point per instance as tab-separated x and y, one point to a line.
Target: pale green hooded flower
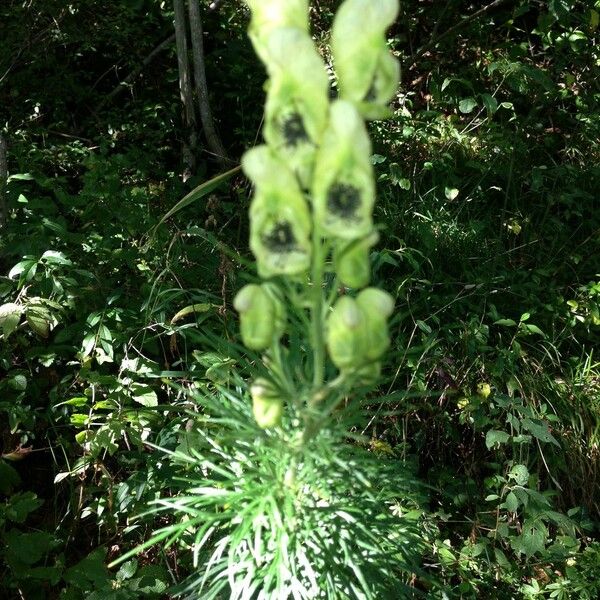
262	315
343	184
376	306
271	14
297	99
280	222
346	334
357	332
351	260
367	73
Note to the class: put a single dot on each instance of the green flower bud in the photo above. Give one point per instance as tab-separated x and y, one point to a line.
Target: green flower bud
343	186
280	221
370	373
346	334
268	15
297	99
257	316
352	263
267	405
376	306
367	73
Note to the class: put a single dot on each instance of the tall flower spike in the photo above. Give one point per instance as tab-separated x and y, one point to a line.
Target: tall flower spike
367	73
343	185
280	222
271	14
297	99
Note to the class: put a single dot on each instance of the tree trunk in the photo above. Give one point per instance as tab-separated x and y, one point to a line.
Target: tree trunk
212	137
190	136
3	180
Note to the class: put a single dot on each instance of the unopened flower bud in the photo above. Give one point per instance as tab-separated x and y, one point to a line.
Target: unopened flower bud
267	405
257	316
376	306
268	15
351	260
367	73
346	334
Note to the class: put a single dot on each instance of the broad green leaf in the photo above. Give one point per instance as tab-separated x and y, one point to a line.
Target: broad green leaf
193	309
10	315
18	382
51	256
505	322
91	569
127	570
25	270
490	103
532	539
451	193
144	395
519	474
501	558
539	430
25	549
9	477
39	319
466	105
198	192
534	329
511	502
493	437
20	505
20	177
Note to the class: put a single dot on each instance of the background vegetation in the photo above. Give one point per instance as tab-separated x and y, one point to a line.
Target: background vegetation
110	315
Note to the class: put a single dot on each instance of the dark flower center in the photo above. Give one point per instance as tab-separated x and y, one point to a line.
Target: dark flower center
293	130
343	200
371	95
280	238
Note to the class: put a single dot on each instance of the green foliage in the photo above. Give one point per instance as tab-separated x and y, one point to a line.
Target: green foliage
471	470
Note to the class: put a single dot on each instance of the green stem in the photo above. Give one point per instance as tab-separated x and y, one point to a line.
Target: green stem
317	310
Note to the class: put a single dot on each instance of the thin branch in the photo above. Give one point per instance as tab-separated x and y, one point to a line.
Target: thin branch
124	84
438	21
3	180
190	137
208	124
476	15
